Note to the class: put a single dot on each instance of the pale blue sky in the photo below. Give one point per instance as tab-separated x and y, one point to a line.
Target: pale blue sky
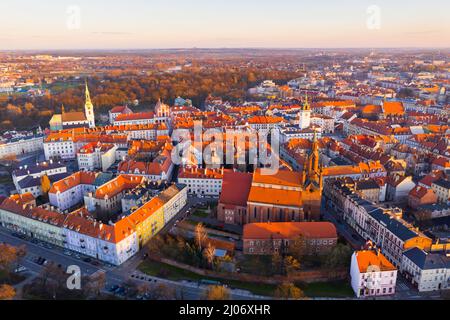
108	24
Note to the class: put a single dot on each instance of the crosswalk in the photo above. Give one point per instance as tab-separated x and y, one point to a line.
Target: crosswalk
401	286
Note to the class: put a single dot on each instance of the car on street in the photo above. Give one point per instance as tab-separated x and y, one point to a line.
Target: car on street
20	269
113	288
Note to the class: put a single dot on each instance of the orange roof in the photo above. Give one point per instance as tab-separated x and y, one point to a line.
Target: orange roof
281	178
290	198
264	119
393	108
24	198
118	185
135	116
419	192
149	208
289	230
73	116
200	173
371	109
73	180
341	170
235	188
368	258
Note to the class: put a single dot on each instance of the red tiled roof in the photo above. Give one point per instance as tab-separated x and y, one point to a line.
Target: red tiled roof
289	230
235	188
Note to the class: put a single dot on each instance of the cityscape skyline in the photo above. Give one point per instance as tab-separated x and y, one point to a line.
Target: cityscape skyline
205	24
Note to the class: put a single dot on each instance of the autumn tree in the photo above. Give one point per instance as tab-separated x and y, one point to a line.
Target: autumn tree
200	235
209	254
9	256
217	293
7	292
288	290
291	264
45	184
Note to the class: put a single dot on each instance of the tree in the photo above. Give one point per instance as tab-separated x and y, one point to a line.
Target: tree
163	292
217	293
291	264
45	184
8	256
339	257
277	263
200	235
299	247
96	283
208	253
7	292
288	290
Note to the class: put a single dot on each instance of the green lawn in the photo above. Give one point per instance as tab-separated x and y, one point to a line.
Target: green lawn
201	213
336	289
154	268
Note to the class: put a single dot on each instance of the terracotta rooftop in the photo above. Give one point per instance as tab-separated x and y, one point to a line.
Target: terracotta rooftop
289	230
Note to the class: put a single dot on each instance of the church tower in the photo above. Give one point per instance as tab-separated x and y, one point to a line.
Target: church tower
89	108
312	183
304	115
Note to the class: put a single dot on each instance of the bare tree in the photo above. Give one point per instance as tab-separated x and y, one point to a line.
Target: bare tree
200	235
209	254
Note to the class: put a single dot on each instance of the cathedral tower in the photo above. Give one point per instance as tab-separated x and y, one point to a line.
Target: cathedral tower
312	183
304	115
89	108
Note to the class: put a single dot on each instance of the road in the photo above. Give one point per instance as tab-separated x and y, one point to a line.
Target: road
352	237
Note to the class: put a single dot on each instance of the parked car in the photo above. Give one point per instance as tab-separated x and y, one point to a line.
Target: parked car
113	288
20	269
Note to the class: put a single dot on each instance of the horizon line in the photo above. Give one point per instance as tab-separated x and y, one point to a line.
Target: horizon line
229	48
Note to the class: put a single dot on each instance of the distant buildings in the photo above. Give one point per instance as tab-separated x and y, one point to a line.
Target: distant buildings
116	111
96	156
75	119
19	144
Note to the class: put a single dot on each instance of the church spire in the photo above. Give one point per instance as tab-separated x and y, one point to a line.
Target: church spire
306	105
313	165
88	96
89	107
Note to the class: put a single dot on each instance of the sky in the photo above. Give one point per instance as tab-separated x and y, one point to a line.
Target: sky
148	24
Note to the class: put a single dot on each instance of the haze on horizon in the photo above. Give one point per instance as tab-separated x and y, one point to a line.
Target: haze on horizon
148	24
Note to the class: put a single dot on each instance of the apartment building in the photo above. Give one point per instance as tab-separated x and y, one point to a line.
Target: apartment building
372	274
202	181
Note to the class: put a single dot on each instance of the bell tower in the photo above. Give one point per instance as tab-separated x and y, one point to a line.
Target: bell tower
89	108
304	115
